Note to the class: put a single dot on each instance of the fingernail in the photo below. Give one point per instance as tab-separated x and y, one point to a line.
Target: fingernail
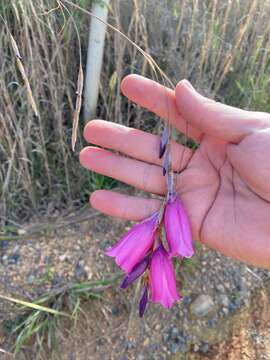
187	83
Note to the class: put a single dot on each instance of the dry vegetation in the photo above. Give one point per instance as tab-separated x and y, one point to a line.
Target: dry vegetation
222	47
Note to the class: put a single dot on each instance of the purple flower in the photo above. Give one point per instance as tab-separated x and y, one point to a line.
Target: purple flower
136	272
162	278
177	227
133	246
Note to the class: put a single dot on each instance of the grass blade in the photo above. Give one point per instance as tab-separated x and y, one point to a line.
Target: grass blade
34	306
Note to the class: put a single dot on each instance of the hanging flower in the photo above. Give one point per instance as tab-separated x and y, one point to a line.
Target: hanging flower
177	228
162	278
134	245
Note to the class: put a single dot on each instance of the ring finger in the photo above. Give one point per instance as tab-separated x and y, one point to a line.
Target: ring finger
144	176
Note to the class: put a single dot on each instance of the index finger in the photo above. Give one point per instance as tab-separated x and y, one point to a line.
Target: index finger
158	99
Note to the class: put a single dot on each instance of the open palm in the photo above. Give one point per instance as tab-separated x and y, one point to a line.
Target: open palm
223	184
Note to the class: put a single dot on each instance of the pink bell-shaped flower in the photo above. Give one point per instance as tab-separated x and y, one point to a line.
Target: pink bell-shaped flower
134	245
162	278
177	228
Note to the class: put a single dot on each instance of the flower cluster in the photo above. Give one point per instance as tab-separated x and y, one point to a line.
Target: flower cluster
140	252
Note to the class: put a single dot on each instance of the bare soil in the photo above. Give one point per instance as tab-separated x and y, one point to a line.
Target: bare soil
110	328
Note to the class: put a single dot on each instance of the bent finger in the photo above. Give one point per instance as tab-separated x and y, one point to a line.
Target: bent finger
158	99
224	122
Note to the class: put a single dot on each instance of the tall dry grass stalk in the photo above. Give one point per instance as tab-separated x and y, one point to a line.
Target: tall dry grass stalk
222	47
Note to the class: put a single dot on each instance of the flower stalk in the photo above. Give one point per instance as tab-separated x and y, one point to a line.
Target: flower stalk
141	252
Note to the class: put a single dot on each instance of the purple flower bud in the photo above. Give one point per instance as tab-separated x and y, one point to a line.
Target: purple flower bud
136	272
143	302
162	149
177	228
166	163
133	246
162	278
164	140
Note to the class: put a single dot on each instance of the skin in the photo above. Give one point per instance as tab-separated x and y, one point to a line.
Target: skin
224	184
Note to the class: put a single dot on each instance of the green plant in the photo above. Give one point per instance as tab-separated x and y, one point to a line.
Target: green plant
38	321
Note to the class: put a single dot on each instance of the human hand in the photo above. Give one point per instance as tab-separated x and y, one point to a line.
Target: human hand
224	185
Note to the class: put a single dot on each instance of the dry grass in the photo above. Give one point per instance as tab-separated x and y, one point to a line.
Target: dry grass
223	47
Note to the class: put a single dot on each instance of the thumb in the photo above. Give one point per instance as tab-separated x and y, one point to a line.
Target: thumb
224	122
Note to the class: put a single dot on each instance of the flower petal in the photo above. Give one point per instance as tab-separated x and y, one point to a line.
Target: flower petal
177	227
134	245
162	278
136	272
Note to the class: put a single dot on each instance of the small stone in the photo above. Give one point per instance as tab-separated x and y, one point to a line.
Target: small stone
166	337
220	288
13	259
196	348
204	348
115	311
146	342
202	305
232	307
179	347
212	322
4	244
56	280
130	345
80	270
187	300
21	232
62	257
238	301
225	310
31	279
224	300
174	333
174	348
88	272
176	340
153	347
